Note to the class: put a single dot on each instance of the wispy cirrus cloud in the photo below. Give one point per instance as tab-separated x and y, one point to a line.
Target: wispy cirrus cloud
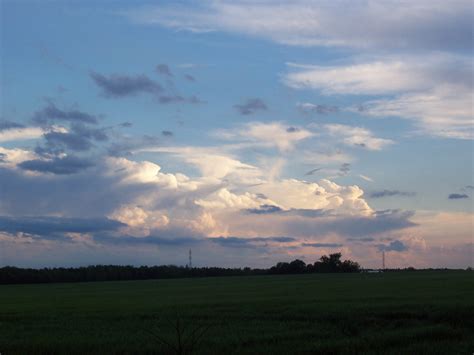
271	134
406	25
435	93
357	137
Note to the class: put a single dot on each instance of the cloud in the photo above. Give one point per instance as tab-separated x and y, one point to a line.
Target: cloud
59	166
238	242
119	85
167	133
307	108
7	125
395	245
47	225
383	25
264	209
457	196
434	92
148	240
366	178
164	69
311	172
189	77
444	111
266	134
166	99
344	169
357	137
322	245
251	106
390	193
50	113
20	133
125	145
360	240
385	76
78	138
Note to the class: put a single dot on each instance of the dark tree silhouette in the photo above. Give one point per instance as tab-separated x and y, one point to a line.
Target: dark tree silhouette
12	275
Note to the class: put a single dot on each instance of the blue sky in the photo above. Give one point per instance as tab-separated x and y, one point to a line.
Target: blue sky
190	119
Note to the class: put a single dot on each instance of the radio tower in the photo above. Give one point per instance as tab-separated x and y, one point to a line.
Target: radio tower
383	259
190	264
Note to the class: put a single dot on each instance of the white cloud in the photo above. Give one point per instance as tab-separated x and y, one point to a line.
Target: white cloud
357	136
213	163
324	195
425	24
18	134
272	134
436	93
366	178
445	111
387	75
14	156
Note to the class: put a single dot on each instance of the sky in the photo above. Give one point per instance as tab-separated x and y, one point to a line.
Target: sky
251	132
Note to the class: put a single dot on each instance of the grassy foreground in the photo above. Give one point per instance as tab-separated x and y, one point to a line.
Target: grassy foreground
391	313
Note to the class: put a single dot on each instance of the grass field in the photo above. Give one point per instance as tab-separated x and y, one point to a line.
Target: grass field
391	313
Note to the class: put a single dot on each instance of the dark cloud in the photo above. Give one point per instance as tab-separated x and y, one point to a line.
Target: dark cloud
189	77
318	109
167	99
44	226
4	125
164	69
126	124
292	129
115	85
251	106
390	193
322	245
264	209
151	239
344	169
457	196
78	138
2	157
302	212
51	113
367	239
470	187
396	245
311	172
59	166
91	193
56	142
119	85
239	242
167	133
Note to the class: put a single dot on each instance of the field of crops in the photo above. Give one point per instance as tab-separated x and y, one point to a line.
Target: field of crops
392	313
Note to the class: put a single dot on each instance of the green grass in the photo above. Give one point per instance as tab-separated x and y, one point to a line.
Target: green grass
392	313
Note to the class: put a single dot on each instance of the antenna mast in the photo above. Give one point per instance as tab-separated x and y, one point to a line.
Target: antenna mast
190	264
383	260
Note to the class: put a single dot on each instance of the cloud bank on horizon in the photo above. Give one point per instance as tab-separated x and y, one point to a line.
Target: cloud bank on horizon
250	131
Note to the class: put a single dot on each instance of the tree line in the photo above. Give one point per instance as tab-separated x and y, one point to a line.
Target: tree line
15	275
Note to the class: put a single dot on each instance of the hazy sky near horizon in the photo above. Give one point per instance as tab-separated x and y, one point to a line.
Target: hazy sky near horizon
250	131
